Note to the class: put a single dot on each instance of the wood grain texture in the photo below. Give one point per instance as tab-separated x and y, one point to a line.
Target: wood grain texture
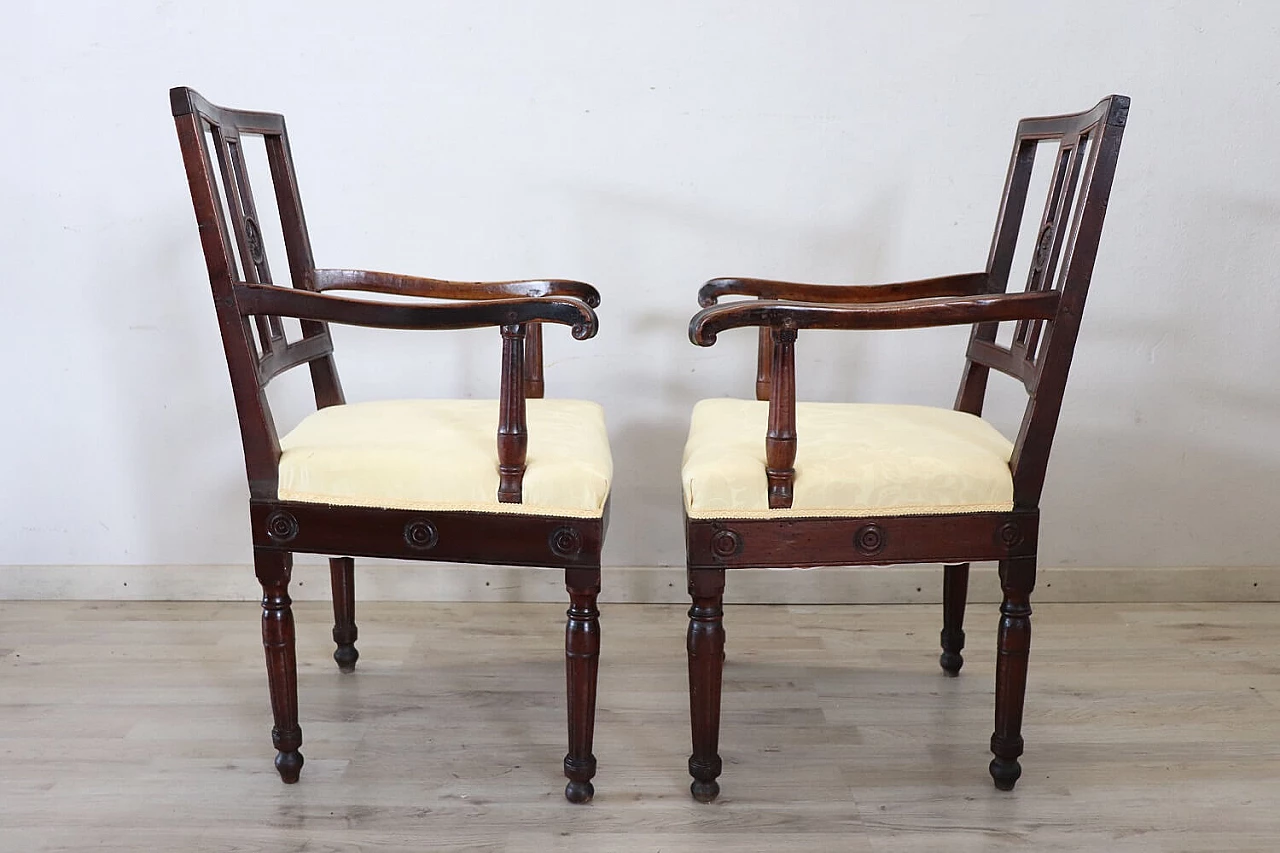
912	314
964	284
398	284
445	582
132	726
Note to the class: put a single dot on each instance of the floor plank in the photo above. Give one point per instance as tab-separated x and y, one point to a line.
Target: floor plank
135	725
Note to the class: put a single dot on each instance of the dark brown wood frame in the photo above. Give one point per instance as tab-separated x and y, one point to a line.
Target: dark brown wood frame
249	307
1047	319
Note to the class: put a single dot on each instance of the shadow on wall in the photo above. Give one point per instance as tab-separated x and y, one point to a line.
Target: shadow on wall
178	439
1166	454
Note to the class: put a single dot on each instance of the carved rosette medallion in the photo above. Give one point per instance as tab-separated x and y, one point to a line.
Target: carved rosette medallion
282	526
565	542
1009	534
421	535
725	544
253	237
1043	245
869	539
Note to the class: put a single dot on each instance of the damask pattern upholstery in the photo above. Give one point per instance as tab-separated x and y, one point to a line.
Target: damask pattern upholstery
852	460
441	455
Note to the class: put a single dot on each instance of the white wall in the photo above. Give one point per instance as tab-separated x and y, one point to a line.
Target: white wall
644	147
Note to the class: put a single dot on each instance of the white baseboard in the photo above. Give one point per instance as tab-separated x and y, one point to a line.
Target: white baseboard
384	581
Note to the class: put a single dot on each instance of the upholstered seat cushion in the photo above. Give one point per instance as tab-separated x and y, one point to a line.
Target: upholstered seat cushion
442	455
851	460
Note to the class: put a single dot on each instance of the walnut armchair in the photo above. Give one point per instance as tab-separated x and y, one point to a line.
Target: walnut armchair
519	481
776	483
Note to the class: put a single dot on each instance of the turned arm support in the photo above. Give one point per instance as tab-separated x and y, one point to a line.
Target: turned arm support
780	439
513	429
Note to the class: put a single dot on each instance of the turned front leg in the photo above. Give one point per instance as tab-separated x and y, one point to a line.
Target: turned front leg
955	590
274	569
706	672
342	578
1017	579
582	660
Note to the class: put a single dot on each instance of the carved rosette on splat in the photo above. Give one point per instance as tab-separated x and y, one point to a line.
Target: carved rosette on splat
869	539
282	526
1009	534
565	542
1043	245
725	544
421	535
253	238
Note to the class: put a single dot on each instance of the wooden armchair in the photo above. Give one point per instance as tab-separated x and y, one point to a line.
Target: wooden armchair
518	481
776	483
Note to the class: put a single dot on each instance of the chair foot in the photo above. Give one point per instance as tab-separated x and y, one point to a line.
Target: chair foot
951	663
705	791
955	591
1005	772
705	788
289	764
579	792
342	577
346	656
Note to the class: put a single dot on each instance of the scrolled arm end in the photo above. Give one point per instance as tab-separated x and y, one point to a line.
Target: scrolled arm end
711	292
709	322
575	313
701	337
591	296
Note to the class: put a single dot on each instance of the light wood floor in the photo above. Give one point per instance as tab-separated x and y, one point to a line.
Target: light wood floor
145	726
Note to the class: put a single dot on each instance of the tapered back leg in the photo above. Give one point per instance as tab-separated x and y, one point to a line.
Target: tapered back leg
342	578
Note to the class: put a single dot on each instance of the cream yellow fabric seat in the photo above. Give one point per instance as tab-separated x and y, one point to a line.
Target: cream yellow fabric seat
851	460
442	455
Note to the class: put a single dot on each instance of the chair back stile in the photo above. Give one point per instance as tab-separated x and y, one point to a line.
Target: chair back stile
256	346
1062	259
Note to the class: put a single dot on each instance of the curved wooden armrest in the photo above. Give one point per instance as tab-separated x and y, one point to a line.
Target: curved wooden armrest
913	314
408	285
306	305
966	284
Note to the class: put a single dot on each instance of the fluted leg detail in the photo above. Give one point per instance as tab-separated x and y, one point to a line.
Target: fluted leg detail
342	577
706	672
1017	579
582	659
955	591
274	569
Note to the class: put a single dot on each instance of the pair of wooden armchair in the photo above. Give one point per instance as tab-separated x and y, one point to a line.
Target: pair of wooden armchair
525	480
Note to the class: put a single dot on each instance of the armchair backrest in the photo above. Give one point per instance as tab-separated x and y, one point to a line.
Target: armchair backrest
230	232
1066	245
